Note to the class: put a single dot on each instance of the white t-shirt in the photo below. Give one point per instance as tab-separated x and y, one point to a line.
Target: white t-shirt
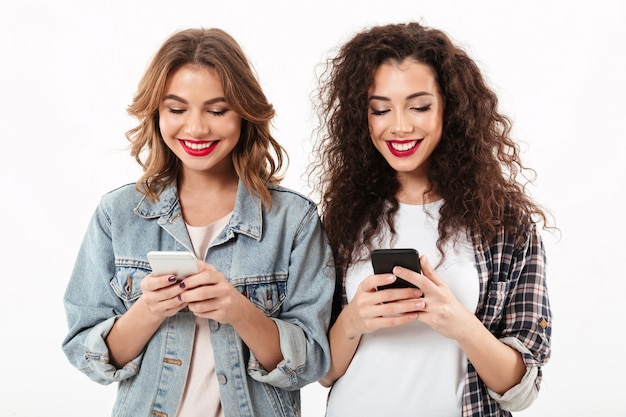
201	396
410	370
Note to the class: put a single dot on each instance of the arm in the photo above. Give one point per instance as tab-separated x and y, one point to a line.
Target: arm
305	312
499	366
260	334
133	330
368	311
525	321
92	306
211	296
343	345
288	347
510	341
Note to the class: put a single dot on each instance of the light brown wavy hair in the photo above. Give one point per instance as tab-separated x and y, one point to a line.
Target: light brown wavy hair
474	168
253	159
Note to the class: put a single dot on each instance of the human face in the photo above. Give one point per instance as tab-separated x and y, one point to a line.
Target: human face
196	121
405	116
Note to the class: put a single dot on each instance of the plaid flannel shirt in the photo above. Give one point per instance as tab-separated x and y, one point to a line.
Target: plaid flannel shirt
513	303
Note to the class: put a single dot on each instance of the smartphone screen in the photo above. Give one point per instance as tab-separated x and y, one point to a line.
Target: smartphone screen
384	260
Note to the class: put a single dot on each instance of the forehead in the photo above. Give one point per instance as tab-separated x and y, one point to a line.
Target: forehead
193	75
408	74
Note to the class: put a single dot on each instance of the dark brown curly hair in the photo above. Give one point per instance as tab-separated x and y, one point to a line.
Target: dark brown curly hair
475	167
258	157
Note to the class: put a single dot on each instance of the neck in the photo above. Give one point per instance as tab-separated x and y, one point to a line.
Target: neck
416	190
200	184
206	199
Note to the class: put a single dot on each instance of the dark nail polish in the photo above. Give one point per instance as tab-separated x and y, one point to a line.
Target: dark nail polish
182	285
171	278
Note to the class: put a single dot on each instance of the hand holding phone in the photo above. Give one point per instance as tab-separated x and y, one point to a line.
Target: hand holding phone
384	260
180	264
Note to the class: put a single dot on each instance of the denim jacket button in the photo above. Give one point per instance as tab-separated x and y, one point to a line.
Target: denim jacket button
213	325
221	379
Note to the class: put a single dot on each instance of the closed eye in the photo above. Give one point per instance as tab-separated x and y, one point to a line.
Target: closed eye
422	109
379	112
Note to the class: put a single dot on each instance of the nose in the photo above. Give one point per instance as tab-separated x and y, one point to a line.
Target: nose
401	125
197	125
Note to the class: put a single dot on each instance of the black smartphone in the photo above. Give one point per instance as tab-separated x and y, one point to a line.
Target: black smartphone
383	261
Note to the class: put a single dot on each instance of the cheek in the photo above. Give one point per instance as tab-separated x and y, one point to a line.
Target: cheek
166	125
230	127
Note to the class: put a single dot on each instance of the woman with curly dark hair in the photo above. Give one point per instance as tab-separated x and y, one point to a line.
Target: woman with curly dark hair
413	153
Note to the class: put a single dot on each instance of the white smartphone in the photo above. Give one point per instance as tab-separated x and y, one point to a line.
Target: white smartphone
180	264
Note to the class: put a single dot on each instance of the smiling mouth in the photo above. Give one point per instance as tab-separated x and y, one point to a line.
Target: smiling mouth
198	148
404	147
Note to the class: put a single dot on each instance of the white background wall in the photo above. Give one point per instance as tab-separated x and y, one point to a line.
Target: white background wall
68	69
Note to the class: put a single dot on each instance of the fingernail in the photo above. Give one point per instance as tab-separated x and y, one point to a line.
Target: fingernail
171	278
180	298
182	285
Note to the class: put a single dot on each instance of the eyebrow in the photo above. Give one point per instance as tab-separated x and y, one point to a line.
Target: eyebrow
182	100
409	97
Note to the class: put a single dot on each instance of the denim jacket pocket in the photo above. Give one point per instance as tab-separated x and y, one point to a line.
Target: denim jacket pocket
267	293
127	280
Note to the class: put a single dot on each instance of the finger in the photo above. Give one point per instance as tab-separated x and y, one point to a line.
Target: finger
203	266
158	303
414	278
396	294
429	271
372	282
156	282
395	320
205	277
400	307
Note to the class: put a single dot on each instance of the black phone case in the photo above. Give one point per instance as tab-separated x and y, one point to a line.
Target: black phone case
383	261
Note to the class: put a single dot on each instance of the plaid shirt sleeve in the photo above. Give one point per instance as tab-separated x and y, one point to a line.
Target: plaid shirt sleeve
513	303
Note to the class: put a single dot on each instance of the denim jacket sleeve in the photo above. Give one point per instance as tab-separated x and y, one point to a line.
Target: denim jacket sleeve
305	314
92	306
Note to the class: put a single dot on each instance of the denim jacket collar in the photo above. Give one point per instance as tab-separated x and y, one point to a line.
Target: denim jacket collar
247	215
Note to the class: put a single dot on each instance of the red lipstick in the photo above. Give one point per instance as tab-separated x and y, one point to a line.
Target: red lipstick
403	148
198	147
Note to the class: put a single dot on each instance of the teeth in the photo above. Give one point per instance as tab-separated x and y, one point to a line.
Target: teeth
198	146
403	147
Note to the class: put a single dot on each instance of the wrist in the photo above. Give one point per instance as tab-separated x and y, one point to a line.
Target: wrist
145	313
347	324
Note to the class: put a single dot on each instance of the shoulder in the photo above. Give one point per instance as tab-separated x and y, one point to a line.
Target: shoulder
510	248
286	196
125	196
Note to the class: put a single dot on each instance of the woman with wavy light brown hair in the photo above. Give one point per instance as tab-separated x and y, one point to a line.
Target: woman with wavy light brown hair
244	333
413	153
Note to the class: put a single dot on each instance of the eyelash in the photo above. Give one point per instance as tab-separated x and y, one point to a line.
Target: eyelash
417	109
214	113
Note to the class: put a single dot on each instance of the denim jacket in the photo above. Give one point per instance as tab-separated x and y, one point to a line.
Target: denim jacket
279	259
